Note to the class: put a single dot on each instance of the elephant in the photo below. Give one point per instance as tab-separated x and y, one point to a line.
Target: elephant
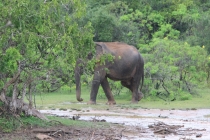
127	66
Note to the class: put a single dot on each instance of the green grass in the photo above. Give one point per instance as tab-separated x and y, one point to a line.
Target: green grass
77	123
63	99
9	124
202	100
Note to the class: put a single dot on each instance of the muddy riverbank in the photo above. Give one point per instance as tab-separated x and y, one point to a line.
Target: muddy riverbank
195	123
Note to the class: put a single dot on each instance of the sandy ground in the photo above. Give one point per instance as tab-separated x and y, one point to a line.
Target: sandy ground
194	123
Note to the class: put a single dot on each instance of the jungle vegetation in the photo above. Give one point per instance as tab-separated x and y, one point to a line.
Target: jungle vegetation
41	40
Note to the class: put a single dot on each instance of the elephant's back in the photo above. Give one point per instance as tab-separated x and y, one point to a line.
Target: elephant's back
118	46
126	59
121	49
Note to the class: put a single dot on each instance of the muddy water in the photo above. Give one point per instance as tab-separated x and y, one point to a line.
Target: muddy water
195	121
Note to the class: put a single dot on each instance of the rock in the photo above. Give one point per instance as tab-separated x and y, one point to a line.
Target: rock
44	137
198	135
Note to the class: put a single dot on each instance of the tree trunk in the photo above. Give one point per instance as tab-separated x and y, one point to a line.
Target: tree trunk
16	105
14	96
26	108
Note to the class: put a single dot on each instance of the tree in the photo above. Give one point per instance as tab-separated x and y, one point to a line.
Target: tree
38	39
198	34
179	25
172	74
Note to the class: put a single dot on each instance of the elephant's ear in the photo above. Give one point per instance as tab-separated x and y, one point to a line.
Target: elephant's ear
99	48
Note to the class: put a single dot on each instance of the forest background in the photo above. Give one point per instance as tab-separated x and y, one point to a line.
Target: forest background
41	41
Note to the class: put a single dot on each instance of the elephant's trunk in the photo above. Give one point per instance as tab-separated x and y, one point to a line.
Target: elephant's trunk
77	72
78	94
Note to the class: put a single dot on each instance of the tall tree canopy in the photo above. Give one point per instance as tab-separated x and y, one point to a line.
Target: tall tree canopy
40	42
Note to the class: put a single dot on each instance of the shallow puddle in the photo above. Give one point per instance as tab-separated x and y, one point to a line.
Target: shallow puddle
195	121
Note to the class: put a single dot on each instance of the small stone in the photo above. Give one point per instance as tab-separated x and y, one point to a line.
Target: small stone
193	109
198	135
44	137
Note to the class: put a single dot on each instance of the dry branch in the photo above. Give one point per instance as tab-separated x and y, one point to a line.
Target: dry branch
51	131
165	129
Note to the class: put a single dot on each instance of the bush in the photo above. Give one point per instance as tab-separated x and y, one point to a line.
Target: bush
171	67
185	96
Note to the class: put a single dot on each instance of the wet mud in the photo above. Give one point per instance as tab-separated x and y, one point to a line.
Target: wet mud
148	124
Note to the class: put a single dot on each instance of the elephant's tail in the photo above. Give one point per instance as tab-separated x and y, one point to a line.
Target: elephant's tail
142	80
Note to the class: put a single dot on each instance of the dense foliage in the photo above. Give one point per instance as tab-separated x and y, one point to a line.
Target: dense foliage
41	40
172	36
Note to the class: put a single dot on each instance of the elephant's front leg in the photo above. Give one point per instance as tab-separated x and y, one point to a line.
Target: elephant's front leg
95	86
107	90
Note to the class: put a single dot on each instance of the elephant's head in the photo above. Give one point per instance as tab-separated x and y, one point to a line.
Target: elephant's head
78	70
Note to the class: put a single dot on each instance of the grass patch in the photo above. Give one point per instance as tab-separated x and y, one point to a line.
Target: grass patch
78	123
9	124
64	99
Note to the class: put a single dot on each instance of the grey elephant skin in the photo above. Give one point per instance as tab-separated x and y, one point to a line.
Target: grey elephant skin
127	66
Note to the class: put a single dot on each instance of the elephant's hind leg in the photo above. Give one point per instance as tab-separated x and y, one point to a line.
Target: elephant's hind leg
136	94
108	93
133	85
135	91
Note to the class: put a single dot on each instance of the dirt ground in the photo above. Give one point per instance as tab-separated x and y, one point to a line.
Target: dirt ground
125	124
61	132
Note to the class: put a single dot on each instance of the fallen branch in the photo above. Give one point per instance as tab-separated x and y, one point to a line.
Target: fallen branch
92	135
58	133
98	120
51	131
162	128
165	129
